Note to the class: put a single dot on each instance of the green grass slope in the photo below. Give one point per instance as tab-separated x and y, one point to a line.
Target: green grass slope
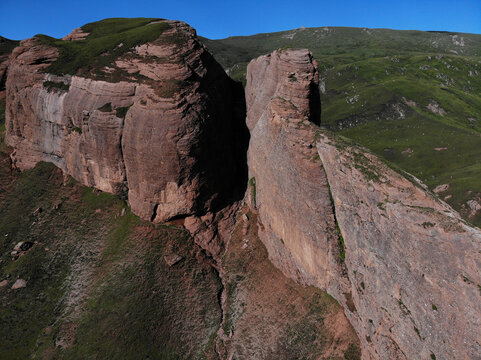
97	282
107	40
412	97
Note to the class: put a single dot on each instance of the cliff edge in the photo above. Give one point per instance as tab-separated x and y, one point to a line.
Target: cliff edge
156	101
404	265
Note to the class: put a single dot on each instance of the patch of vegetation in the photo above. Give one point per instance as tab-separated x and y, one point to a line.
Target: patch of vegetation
434	307
366	166
340	239
433	357
427	224
340	242
417	332
135	307
7	45
52	85
353	352
252	184
120	112
107	40
77	129
24	313
168	88
403	307
106	107
141	308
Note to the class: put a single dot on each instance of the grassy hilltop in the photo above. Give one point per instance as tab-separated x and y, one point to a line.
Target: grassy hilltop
412	97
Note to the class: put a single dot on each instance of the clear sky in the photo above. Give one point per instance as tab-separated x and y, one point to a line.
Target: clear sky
215	19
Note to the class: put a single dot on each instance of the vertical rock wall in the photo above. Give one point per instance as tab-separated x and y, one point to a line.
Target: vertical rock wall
413	263
171	132
287	183
403	264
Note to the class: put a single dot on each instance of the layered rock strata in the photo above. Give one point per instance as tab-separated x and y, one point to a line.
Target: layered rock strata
403	264
170	133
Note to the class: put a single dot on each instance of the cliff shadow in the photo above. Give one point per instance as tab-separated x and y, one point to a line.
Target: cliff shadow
223	162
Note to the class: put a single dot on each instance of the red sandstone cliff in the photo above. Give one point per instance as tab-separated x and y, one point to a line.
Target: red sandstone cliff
291	188
406	268
170	133
413	263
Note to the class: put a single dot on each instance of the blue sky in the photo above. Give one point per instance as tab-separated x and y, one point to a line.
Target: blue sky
20	19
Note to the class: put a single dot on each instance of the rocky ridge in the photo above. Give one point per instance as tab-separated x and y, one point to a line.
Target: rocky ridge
403	264
412	262
169	134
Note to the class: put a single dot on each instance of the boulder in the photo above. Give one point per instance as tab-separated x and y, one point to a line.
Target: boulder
19	284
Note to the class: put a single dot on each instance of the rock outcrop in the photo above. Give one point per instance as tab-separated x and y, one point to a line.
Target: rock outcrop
163	124
413	263
287	183
403	264
169	131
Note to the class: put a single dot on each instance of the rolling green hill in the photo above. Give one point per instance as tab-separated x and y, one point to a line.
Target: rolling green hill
412	97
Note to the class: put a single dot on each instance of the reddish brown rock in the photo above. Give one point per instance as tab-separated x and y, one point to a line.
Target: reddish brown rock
413	263
19	284
67	128
76	34
198	154
407	266
170	132
287	183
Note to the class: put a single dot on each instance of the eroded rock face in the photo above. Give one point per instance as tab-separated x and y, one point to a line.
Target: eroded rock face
287	183
407	266
413	263
170	132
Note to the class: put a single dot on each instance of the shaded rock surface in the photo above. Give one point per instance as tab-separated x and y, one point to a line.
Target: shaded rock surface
406	268
170	133
6	47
